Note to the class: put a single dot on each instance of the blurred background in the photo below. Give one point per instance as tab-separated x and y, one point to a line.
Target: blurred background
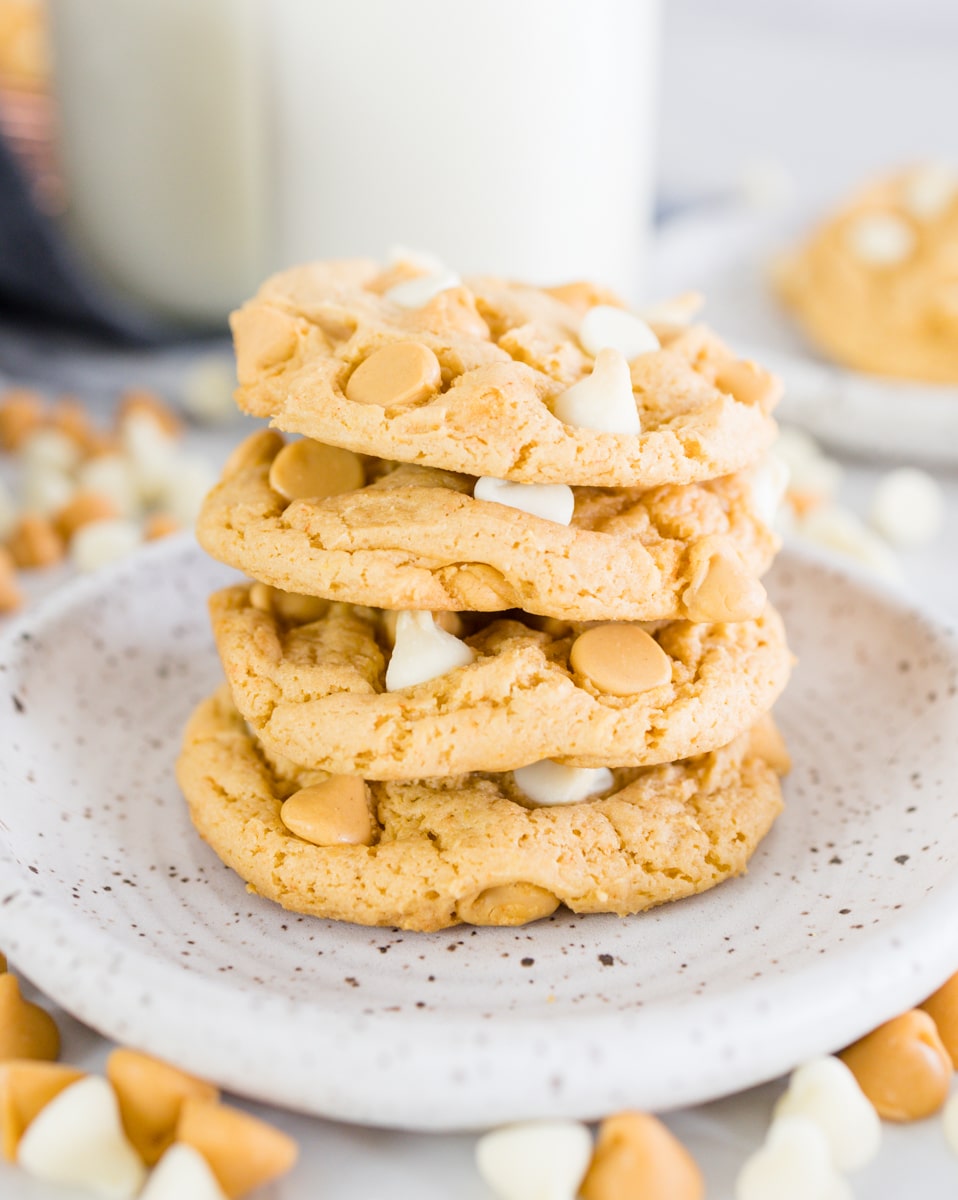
158	159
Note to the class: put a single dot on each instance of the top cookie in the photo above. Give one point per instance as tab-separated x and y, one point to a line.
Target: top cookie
470	381
875	286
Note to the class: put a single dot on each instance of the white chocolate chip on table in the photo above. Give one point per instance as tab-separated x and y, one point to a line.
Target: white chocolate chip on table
26	1087
794	1163
908	507
77	1139
826	1092
535	1160
182	1174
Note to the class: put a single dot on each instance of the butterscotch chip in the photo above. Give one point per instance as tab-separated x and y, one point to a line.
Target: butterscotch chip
306	468
769	745
620	659
140	400
243	1152
21	414
290	607
34	542
942	1007
636	1155
331	813
259	447
26	1087
506	352
70	416
508	904
658	834
723	590
151	1094
10	595
26	1030
315	692
582	295
415	537
902	1067
746	381
403	373
159	525
83	508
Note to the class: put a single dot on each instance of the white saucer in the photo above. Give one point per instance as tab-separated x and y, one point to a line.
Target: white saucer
725	253
113	906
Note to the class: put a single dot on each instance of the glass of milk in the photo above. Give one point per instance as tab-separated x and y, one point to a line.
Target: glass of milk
204	145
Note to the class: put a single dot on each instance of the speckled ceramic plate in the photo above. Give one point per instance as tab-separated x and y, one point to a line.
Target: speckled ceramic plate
725	253
114	907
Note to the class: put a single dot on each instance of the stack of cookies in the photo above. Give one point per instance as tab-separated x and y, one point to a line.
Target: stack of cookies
507	645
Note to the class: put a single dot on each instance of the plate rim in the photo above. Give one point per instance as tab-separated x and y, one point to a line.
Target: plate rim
83	977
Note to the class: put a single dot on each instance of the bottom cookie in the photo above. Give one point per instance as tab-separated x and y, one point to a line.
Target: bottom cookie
469	848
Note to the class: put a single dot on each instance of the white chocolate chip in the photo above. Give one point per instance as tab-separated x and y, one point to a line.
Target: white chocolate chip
537	1160
207	392
547	782
78	1140
931	190
842	530
880	239
810	473
182	1174
185	487
769	484
111	476
908	507
46	489
677	312
604	401
100	542
414	293
422	651
825	1091
551	501
606	327
9	511
949	1118
151	453
793	1164
421	260
50	448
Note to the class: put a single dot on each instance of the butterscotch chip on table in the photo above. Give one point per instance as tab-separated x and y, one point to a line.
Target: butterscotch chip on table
21	414
314	690
903	1067
83	508
416	537
11	596
26	1029
34	542
874	287
942	1007
322	352
151	1095
243	1152
636	1155
444	848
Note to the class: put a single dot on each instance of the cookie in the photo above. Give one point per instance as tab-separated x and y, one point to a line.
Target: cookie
415	537
430	854
315	692
876	286
469	382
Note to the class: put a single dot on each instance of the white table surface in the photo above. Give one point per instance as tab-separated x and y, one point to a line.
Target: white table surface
341	1162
